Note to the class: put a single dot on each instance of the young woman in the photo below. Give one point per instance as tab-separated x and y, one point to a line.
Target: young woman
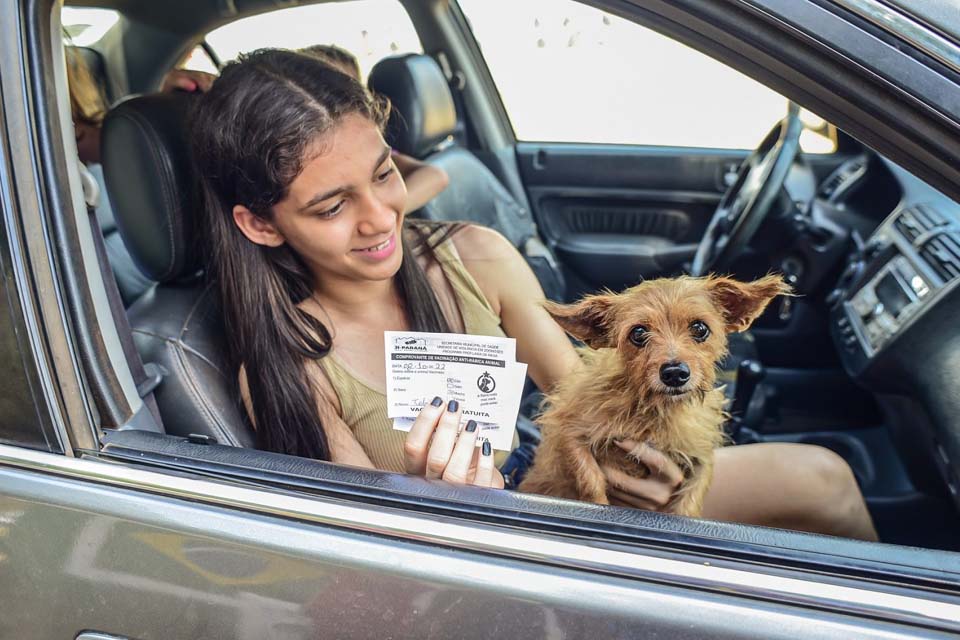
304	207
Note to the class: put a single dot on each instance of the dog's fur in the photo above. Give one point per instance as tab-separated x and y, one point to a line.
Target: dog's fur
618	394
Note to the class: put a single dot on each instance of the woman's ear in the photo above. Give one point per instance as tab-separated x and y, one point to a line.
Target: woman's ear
257	230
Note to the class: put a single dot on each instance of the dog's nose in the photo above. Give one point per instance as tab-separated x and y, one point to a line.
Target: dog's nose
675	374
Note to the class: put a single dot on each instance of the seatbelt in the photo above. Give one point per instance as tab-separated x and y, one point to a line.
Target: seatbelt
146	377
456	81
532	248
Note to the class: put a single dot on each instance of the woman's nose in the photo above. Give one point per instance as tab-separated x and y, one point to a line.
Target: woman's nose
376	217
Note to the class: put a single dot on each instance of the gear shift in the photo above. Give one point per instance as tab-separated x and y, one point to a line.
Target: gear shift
749	375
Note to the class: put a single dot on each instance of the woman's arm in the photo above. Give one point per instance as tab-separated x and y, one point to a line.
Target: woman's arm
515	294
423	181
434	448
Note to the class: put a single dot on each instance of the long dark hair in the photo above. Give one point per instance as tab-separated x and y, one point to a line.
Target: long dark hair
250	134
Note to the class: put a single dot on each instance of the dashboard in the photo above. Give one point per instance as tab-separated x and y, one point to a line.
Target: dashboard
894	313
904	269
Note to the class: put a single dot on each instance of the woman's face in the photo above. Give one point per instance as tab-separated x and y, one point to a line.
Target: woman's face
343	213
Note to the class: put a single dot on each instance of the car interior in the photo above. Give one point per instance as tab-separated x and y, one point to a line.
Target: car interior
861	361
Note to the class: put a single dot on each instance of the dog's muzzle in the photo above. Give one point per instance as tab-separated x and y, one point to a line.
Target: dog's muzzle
675	374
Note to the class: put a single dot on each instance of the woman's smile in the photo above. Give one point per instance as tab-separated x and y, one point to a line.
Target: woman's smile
380	251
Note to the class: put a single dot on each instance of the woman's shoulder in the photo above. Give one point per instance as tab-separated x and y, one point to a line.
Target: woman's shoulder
493	262
461	241
474	242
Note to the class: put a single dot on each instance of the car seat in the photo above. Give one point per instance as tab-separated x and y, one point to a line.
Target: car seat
177	323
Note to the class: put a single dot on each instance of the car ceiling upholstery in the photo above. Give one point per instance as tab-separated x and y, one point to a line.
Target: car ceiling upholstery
188	17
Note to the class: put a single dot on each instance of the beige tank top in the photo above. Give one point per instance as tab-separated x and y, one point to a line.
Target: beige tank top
364	408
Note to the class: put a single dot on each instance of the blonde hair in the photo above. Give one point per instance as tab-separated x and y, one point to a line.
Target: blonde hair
87	105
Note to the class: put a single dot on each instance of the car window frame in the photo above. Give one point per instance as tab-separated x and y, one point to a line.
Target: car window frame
18	324
661	548
33	211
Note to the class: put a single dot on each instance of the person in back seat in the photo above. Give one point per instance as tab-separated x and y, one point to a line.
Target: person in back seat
303	209
88	108
423	181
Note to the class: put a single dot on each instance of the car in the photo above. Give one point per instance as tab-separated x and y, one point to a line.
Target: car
132	502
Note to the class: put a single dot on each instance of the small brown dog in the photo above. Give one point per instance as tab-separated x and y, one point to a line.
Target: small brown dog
648	375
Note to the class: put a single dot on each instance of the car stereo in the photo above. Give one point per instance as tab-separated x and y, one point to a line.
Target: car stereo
886	302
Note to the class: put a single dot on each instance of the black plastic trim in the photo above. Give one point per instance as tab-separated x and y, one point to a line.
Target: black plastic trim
714	541
57	208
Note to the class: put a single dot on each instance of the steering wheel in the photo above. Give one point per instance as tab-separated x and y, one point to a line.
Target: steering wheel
751	196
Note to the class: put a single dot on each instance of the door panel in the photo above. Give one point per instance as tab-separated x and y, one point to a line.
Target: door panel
82	556
616	214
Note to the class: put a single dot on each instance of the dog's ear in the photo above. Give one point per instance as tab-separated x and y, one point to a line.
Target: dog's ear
587	320
742	302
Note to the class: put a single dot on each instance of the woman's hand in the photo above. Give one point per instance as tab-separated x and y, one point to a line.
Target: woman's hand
435	449
187	80
652	493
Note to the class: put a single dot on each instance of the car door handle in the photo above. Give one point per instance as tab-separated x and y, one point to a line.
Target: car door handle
540	160
729	174
96	635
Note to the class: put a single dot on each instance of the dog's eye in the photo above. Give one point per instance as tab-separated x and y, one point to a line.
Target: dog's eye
639	335
699	330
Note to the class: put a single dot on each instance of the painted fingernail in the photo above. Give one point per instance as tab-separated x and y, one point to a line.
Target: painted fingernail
437	401
486	447
471	426
452	406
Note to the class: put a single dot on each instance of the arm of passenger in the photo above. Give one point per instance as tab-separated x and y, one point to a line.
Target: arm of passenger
188	80
516	296
423	181
344	447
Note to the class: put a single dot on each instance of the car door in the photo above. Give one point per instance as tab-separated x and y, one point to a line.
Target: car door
123	533
626	138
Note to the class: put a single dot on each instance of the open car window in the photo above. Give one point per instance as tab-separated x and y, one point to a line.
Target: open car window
370	29
649	88
87	26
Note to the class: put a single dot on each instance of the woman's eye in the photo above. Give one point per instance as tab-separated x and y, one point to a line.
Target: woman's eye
383	177
332	211
639	335
699	330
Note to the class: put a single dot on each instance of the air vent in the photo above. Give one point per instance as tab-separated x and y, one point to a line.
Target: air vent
942	253
914	222
848	172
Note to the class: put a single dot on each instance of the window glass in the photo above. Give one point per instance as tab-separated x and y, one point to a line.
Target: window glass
85	27
568	72
23	421
369	29
199	60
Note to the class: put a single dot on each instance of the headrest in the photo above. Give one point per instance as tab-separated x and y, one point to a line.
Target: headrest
423	113
147	167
